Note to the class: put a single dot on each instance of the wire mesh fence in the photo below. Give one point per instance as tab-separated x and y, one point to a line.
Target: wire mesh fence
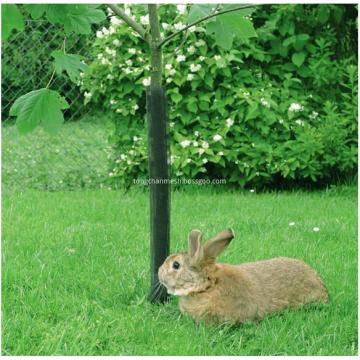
76	157
27	65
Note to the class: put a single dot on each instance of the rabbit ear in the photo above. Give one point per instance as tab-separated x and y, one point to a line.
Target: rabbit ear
195	248
215	246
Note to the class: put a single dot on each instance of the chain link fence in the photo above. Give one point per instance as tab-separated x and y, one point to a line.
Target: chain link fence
74	158
27	65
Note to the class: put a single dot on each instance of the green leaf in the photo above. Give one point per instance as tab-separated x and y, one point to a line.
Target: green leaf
11	18
227	26
298	58
223	36
70	63
197	12
75	18
243	28
39	107
242	12
192	107
35	10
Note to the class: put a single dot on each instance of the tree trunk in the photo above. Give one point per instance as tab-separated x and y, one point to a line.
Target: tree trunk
158	163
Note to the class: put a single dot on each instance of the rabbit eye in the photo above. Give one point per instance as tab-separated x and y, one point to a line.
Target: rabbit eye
175	265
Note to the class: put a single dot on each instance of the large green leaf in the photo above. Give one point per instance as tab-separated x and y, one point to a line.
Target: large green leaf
11	18
70	63
198	11
243	12
74	18
298	58
35	10
227	26
223	36
39	107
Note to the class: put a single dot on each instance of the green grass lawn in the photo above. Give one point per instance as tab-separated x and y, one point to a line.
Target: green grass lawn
75	272
74	158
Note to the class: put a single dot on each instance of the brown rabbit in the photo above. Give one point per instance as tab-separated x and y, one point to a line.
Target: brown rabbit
224	293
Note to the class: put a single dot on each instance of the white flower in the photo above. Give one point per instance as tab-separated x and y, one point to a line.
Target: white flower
295	107
217	137
110	77
132	152
119	110
105	61
281	121
88	95
179	26
179	173
196	133
313	115
180	58
264	103
128	62
100	56
205	160
181	9
123	157
99	34
229	122
168	66
316	229
129	162
192	29
112	30
111	174
300	122
132	51
201	151
172	72
144	19
190	77
105	31
195	143
220	153
185	143
205	145
201	58
115	20
169	80
146	82
217	57
165	26
191	49
188	161
109	11
135	107
113	102
127	11
172	124
291	223
195	67
200	42
135	138
252	190
116	42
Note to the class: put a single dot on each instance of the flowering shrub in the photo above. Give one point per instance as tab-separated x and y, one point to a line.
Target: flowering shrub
278	108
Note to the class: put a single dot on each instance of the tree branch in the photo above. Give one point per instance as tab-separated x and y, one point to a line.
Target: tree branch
203	19
133	24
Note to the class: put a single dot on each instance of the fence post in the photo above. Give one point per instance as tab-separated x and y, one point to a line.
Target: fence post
159	188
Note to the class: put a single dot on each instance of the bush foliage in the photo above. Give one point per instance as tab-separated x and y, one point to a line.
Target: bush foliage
280	108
